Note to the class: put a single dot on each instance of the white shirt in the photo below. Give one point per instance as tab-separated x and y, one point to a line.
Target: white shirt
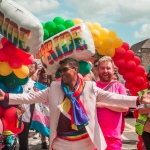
27	88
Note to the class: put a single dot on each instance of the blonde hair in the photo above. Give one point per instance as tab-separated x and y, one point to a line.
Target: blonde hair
106	59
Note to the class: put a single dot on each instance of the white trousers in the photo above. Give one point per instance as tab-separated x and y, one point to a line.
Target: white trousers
60	144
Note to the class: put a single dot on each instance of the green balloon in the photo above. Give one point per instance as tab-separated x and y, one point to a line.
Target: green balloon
60	28
1	77
58	20
23	81
84	67
46	35
43	24
50	26
68	24
11	81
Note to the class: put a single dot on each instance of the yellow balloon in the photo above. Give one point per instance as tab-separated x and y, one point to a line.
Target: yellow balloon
101	51
112	34
110	52
5	69
22	72
107	43
90	25
117	42
97	26
104	33
77	21
95	34
98	43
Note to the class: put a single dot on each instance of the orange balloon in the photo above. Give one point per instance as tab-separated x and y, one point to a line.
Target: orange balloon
5	69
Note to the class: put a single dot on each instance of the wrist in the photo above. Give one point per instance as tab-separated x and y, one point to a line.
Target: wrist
138	101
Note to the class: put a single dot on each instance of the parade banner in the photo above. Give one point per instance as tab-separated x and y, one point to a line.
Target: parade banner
76	42
20	27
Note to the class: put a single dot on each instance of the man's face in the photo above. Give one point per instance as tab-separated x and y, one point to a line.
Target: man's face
67	73
106	71
32	69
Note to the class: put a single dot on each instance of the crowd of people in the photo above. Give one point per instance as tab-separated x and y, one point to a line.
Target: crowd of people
83	114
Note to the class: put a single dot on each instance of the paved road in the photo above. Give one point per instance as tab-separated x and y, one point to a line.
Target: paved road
129	137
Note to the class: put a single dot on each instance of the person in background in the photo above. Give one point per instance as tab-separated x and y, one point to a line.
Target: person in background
27	116
80	129
145	110
110	117
95	70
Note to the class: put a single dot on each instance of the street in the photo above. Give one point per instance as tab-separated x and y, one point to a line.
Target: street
129	137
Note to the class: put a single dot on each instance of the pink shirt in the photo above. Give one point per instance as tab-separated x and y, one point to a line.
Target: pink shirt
111	121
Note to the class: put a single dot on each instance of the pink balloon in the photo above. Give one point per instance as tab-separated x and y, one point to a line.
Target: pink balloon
139	70
15	62
10	114
13	128
137	60
130	65
129	55
3	56
125	45
138	81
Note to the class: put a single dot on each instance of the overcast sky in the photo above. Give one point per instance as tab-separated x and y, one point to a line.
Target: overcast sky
130	19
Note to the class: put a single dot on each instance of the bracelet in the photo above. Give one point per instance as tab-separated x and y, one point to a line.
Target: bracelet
138	101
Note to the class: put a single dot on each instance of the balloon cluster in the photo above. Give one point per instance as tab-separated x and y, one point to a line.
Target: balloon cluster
55	26
13	74
13	67
129	67
9	120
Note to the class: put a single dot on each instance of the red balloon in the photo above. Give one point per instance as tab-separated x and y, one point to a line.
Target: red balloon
120	63
129	55
121	71
15	62
3	56
138	81
135	113
3	41
140	138
9	49
129	76
134	90
145	77
29	60
130	65
1	111
14	129
23	55
119	53
139	145
128	84
10	114
144	86
125	45
137	60
5	124
139	70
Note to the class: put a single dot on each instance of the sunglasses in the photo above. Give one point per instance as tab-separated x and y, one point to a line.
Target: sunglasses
64	69
95	65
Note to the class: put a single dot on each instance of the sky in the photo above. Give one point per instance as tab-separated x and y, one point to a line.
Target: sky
130	19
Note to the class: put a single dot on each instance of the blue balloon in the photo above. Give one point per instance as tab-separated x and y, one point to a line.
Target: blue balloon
39	86
3	87
16	90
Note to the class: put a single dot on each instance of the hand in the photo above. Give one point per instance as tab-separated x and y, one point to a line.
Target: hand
22	109
145	99
2	95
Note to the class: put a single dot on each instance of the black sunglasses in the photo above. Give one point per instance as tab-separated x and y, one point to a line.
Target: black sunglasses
95	65
64	69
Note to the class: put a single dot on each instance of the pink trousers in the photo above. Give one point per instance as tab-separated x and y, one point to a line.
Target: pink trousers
60	144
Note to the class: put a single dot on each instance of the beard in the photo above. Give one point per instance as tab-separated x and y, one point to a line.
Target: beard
105	78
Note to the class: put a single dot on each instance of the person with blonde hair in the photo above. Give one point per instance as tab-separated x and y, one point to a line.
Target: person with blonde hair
110	117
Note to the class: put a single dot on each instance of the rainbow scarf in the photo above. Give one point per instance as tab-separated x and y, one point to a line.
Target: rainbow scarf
72	107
